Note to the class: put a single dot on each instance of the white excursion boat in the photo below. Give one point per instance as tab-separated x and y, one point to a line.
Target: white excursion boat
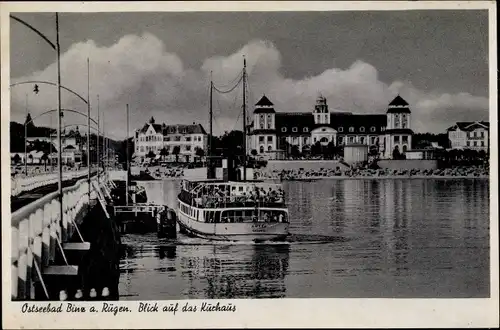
233	211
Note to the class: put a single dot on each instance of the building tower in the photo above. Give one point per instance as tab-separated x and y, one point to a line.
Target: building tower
263	138
321	113
398	134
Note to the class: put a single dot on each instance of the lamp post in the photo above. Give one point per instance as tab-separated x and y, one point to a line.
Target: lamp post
56	47
97	142
88	128
26	139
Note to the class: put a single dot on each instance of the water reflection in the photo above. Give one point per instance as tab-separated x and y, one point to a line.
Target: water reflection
168	251
350	238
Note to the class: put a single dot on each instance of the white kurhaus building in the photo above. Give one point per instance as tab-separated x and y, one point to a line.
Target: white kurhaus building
271	132
154	137
469	135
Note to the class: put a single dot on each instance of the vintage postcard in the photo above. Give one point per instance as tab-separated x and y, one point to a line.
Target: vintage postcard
249	164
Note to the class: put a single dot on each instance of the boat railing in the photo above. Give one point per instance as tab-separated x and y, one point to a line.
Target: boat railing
235	201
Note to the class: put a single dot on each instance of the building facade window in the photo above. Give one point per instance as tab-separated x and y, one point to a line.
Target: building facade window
283	129
341	129
261	149
294	129
396	139
268	121
396	121
340	140
270	138
351	129
468	143
269	148
261	121
482	143
475	143
372	129
482	134
362	140
405	139
361	129
351	139
305	140
261	138
305	130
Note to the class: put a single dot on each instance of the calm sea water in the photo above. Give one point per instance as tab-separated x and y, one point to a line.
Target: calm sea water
350	238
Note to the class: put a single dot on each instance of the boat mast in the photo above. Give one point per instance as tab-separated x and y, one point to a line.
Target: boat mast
244	121
210	118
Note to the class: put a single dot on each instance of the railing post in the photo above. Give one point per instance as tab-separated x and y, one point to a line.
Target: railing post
22	261
15	261
46	234
54	223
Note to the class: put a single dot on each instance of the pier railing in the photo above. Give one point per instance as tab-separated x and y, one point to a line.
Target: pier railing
37	233
19	185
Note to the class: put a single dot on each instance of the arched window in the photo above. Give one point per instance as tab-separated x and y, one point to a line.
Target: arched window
261	149
351	129
361	129
294	129
341	129
362	140
283	129
306	129
372	129
269	148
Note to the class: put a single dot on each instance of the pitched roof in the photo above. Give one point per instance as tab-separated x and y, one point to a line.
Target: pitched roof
183	129
174	129
289	120
264	101
340	121
468	125
398	105
362	123
398	100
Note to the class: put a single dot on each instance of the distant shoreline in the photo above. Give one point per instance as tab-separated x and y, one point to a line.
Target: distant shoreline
385	177
318	178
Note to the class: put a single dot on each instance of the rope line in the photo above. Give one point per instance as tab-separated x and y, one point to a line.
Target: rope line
231	89
238	77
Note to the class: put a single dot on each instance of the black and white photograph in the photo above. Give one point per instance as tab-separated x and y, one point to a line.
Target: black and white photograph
202	159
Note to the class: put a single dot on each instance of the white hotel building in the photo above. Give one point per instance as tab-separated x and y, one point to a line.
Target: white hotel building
470	135
154	137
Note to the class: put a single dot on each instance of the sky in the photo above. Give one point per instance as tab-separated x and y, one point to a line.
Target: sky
160	64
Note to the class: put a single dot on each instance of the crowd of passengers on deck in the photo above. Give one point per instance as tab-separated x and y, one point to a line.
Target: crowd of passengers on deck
213	196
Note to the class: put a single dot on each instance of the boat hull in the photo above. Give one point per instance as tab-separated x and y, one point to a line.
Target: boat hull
258	231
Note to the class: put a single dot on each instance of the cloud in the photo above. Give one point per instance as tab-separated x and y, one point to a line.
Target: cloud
141	72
